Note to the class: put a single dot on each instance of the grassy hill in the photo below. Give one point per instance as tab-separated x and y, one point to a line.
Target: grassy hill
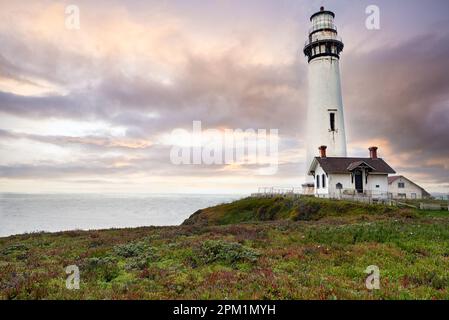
249	249
279	208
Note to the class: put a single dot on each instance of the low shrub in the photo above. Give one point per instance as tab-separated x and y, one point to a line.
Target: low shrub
432	279
15	248
104	268
227	252
131	249
142	261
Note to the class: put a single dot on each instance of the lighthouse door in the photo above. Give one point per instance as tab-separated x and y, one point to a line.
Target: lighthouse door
358	181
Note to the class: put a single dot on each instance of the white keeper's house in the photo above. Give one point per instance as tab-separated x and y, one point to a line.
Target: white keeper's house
338	177
400	187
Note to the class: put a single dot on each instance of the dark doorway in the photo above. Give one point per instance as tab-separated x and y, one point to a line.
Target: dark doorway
358	181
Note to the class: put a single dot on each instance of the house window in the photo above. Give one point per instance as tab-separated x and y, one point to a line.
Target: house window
317	182
377	186
401	185
402	195
332	121
324	180
339	186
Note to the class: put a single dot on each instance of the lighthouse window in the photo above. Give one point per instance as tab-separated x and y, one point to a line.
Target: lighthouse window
332	121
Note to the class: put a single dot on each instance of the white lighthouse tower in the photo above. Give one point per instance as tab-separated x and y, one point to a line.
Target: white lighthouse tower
325	121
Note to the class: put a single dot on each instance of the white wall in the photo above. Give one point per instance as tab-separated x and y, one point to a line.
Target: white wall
377	183
321	192
409	190
344	179
324	94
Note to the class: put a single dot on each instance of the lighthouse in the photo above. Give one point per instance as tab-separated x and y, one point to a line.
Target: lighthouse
325	120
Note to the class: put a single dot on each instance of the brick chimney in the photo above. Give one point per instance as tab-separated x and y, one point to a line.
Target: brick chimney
373	152
322	151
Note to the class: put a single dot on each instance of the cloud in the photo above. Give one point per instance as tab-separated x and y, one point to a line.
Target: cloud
100	142
148	72
399	94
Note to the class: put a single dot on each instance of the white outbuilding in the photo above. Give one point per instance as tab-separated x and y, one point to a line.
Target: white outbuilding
400	187
340	177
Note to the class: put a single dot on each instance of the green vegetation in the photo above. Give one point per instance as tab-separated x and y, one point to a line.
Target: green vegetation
279	249
279	208
416	202
226	252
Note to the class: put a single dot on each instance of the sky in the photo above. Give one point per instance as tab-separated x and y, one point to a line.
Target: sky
93	109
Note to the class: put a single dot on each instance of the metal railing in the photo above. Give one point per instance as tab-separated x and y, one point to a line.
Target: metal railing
320	37
270	192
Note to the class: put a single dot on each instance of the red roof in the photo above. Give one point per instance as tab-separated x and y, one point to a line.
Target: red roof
346	165
393	179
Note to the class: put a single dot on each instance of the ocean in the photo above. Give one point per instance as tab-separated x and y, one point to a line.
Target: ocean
26	213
